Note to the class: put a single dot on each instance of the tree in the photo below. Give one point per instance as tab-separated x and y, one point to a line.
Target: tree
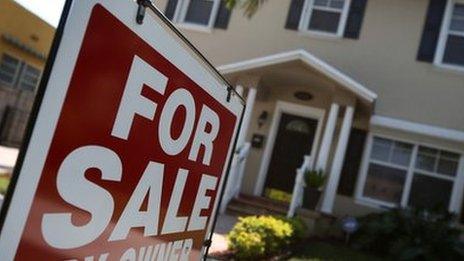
249	6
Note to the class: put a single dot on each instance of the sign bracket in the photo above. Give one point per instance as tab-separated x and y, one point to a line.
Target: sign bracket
141	10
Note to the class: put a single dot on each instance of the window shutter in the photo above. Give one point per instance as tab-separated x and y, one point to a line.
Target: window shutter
294	14
171	9
355	19
431	32
352	162
223	16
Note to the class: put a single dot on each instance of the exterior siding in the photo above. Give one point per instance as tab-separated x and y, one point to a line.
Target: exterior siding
383	58
20	23
17	22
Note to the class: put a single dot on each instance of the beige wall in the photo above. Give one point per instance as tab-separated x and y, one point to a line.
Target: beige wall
16	21
383	59
346	206
35	33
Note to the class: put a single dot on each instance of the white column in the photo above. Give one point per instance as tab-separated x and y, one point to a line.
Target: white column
330	189
239	89
458	187
251	97
327	138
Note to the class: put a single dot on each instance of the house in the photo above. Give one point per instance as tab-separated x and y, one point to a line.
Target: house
25	40
370	91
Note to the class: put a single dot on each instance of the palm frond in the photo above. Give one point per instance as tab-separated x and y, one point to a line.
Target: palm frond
249	6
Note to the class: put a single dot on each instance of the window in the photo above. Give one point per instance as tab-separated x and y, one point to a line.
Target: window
387	171
18	74
9	68
198	13
297	126
451	44
434	174
325	16
406	174
29	78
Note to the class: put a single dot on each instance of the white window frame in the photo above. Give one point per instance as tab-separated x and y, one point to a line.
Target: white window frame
19	74
444	33
457	190
18	70
181	12
306	17
20	78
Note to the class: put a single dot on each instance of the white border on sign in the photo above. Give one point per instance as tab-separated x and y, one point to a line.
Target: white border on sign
153	33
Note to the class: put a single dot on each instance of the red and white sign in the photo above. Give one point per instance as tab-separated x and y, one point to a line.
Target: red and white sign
129	149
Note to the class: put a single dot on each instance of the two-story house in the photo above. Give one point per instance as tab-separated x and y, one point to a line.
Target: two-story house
371	90
25	40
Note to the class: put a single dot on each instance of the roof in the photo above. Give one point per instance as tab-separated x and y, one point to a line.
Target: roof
308	59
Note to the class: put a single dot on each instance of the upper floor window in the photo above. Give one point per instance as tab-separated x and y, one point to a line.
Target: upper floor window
9	68
18	74
325	16
450	51
197	13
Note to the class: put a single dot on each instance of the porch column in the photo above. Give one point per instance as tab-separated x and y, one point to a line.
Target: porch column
239	89
250	101
330	189
327	138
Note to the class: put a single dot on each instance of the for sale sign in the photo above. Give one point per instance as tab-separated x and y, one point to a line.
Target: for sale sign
130	145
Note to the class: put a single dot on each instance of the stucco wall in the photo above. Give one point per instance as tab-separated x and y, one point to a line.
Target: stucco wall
23	25
383	59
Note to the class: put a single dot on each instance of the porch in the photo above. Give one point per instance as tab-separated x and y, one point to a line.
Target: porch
299	114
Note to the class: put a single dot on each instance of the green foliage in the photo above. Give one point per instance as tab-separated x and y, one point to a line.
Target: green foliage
298	226
411	234
333	251
278	195
249	6
4	182
261	236
315	178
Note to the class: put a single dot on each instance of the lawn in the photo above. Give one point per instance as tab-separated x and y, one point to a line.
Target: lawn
4	181
324	251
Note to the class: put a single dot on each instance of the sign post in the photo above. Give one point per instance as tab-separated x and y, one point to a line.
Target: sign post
129	143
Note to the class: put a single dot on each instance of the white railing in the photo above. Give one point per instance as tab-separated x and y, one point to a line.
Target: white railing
298	188
234	182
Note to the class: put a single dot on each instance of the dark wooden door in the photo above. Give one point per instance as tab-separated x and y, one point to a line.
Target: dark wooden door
294	139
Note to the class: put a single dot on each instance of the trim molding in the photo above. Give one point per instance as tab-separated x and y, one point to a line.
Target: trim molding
419	128
308	59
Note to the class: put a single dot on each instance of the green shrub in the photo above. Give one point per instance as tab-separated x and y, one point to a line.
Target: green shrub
248	245
4	182
315	178
410	234
261	236
298	226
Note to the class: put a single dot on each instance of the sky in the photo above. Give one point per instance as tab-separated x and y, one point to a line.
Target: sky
48	10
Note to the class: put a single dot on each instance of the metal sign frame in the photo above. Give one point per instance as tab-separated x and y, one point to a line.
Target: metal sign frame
139	17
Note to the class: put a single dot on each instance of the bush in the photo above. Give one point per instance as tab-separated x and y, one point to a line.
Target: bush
257	237
298	226
315	178
410	234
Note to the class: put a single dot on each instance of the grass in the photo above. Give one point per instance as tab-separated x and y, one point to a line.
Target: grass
318	251
4	181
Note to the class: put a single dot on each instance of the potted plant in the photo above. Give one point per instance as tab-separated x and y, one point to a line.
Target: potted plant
314	181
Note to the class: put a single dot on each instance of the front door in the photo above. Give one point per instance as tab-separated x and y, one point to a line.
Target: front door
294	139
